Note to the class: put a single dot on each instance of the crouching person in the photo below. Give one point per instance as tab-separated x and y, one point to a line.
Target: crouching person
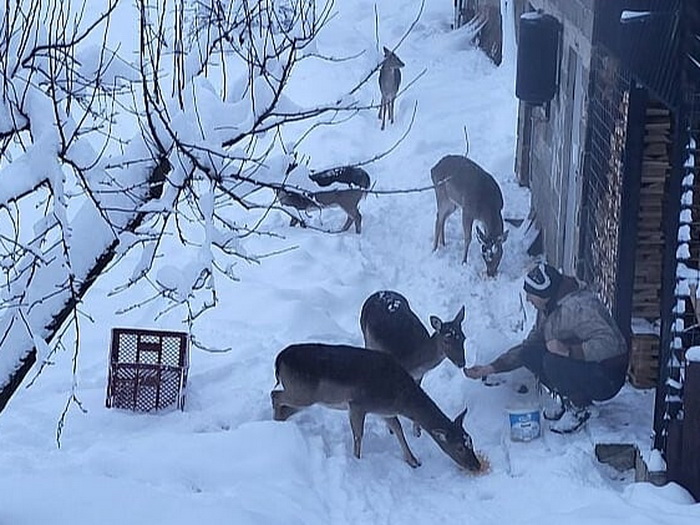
575	348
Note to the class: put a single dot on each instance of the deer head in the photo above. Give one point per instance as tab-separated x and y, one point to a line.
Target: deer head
451	337
491	249
457	443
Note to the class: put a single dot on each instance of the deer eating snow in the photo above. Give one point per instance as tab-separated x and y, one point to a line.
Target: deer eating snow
461	183
365	382
348	197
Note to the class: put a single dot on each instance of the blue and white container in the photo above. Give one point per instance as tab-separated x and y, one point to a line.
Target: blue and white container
525	423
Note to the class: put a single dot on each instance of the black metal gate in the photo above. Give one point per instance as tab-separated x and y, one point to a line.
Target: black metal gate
683	331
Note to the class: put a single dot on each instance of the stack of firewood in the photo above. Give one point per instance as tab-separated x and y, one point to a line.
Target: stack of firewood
656	165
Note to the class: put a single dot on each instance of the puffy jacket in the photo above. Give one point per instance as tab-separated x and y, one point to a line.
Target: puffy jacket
581	319
578	319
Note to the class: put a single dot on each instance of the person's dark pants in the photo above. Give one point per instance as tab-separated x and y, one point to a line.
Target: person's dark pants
581	382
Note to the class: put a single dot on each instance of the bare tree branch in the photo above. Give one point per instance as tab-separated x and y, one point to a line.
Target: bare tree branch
109	151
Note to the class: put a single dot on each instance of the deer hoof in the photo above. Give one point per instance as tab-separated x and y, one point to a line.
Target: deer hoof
413	461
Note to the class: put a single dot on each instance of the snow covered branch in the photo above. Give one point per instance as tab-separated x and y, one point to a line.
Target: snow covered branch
111	146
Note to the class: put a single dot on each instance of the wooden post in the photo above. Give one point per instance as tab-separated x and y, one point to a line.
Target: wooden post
491	38
491	35
693	287
522	153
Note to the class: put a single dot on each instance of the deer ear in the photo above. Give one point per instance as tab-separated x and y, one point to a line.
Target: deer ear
504	236
460	315
435	322
387	52
480	235
459	420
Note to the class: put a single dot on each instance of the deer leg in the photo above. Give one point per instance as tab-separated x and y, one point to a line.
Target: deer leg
445	209
348	222
357	425
391	111
358	222
439	235
395	428
467	221
439	225
416	426
353	217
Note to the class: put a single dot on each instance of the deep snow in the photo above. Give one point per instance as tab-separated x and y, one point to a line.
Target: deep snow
223	460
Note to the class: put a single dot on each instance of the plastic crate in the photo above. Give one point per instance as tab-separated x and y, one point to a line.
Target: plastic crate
147	369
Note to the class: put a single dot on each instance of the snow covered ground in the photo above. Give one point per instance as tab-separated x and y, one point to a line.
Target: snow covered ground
223	460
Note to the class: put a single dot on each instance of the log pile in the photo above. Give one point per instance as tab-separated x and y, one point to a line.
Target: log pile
646	301
644	360
656	165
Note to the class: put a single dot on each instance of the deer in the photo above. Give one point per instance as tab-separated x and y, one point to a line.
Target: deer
365	382
389	325
347	198
461	182
389	82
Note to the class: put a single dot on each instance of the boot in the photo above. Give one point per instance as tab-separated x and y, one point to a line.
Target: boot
553	409
572	420
552	403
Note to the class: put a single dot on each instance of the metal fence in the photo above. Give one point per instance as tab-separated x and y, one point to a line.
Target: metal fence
603	175
672	404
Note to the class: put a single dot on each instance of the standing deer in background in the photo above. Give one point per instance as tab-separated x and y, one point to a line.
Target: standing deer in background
461	182
365	382
389	325
389	82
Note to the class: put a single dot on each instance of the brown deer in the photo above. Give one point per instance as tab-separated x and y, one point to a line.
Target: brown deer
461	182
347	198
389	82
389	325
365	382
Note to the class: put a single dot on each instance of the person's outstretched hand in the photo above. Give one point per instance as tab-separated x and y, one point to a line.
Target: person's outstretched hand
478	371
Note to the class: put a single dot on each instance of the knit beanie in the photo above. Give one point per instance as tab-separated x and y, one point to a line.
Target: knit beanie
543	281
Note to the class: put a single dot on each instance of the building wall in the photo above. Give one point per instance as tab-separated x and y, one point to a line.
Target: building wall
557	136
